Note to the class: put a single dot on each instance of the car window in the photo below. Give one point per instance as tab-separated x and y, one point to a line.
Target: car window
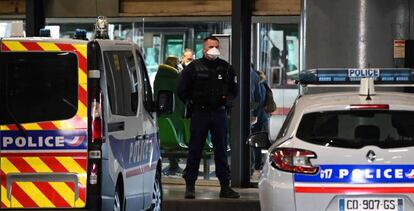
38	86
147	94
122	82
283	130
356	129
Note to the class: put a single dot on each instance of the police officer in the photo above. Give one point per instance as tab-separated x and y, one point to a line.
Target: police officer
209	84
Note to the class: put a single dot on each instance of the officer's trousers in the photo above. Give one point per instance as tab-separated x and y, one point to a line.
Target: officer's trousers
203	121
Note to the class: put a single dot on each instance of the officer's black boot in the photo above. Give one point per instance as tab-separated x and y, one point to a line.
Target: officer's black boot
227	192
189	192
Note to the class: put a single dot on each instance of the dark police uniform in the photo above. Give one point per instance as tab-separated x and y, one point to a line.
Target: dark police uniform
210	86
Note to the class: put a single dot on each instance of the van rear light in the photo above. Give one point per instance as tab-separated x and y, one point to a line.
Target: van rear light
293	160
369	107
93	174
96	122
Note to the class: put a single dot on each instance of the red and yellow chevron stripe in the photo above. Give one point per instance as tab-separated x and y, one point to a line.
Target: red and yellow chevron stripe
43	194
33	194
80	119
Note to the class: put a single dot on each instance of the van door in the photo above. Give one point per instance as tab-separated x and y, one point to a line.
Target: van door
43	126
123	123
152	145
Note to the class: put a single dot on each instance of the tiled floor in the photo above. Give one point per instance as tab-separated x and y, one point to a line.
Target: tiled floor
207	198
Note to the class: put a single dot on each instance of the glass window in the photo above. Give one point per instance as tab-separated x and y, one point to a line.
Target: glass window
356	129
174	45
6	27
278	53
283	130
148	97
38	86
122	82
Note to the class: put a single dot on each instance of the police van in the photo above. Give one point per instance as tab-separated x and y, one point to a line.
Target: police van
78	126
341	149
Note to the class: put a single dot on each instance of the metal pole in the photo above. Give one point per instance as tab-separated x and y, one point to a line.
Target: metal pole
240	114
35	17
411	20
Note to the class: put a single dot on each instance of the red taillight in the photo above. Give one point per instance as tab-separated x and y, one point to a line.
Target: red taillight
369	107
93	174
293	160
96	121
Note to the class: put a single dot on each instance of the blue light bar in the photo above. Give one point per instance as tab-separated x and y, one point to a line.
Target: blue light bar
354	75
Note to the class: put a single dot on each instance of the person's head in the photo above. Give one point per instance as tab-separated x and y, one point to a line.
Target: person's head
211	48
261	74
188	56
172	61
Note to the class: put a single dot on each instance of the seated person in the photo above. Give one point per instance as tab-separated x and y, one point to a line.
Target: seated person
166	79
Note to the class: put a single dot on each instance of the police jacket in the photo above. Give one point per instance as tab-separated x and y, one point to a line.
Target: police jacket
208	83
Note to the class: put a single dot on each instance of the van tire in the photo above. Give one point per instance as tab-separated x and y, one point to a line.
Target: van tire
156	198
119	198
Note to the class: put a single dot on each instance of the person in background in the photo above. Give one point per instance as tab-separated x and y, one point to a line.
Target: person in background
262	123
166	79
254	94
209	84
187	58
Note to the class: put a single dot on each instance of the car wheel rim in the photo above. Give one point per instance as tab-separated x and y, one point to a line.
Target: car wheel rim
156	196
117	204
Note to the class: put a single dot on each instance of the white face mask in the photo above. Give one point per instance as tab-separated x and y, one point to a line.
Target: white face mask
213	53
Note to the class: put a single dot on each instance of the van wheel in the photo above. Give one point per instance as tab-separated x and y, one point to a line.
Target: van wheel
156	200
119	199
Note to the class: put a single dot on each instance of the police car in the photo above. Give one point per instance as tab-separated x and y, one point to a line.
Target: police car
343	150
78	125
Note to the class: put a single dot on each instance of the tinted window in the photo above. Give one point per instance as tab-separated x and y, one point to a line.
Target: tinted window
283	130
37	86
356	129
148	100
122	82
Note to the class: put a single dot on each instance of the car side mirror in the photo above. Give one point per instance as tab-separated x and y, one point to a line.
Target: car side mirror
166	102
259	140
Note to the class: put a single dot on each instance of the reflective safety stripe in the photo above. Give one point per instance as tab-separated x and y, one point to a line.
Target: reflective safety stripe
71	164
43	194
47	46
35	194
14	46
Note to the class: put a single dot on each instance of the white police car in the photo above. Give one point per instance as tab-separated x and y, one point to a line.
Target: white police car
343	151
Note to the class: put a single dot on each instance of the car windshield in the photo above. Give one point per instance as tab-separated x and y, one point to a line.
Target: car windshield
356	129
37	86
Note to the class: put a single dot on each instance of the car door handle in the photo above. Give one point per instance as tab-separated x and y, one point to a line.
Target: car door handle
141	137
116	126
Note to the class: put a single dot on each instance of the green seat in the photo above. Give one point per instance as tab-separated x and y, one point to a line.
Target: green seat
166	79
168	135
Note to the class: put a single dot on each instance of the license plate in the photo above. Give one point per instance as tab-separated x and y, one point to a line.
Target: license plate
368	204
363	73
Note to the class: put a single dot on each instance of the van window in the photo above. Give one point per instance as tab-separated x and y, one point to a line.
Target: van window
356	129
148	98
38	86
122	81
